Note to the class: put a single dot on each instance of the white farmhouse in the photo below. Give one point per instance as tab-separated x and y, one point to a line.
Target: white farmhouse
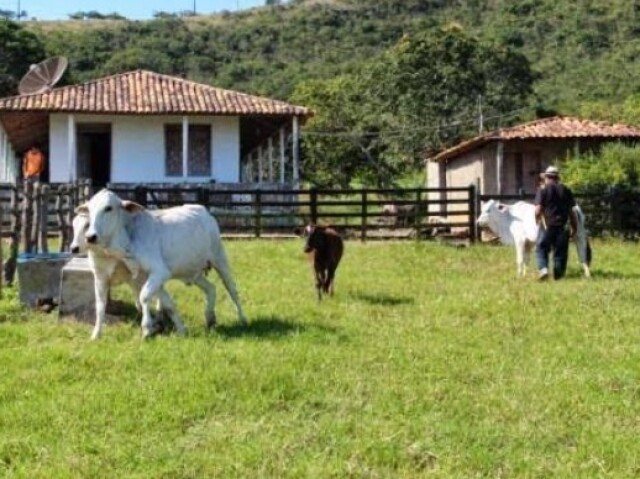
144	127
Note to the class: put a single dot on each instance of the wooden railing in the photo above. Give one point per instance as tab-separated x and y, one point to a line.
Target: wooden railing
360	213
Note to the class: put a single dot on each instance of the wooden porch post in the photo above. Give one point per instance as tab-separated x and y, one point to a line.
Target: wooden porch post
296	152
260	165
185	145
249	169
3	154
270	159
282	159
71	145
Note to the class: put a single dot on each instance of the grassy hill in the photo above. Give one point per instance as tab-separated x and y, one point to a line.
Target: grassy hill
584	52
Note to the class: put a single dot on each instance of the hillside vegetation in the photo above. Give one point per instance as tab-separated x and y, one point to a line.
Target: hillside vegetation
388	79
584	51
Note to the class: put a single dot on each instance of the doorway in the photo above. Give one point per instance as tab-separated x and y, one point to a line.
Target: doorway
94	152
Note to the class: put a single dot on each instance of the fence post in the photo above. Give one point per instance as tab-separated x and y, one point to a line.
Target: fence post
70	212
363	224
85	192
16	227
27	216
258	212
313	206
44	218
418	213
203	197
472	213
37	216
59	205
140	195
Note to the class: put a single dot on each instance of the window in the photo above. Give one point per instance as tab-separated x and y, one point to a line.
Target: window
199	150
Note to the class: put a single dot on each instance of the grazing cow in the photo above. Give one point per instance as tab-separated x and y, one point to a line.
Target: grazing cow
183	242
403	215
327	247
516	225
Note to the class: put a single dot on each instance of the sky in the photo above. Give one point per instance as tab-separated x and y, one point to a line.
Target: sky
132	9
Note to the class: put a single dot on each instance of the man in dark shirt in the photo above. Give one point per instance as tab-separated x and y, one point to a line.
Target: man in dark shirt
554	208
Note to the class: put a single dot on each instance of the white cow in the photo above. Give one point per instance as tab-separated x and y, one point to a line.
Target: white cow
516	225
120	273
182	243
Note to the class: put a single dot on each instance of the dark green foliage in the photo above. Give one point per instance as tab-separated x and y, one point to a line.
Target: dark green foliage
617	165
411	98
517	59
19	48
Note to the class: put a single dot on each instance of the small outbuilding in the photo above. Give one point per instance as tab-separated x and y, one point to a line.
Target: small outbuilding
508	161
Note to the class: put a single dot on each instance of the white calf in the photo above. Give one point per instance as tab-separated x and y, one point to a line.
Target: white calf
516	225
182	242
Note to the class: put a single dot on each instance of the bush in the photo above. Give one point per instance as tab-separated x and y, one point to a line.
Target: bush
615	165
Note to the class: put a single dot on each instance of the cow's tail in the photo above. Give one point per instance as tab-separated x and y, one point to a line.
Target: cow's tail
589	253
221	265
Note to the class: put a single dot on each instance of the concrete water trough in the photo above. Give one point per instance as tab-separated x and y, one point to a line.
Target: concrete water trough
39	277
77	293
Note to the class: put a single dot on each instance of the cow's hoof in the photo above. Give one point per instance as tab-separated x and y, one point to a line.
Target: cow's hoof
211	321
148	333
181	331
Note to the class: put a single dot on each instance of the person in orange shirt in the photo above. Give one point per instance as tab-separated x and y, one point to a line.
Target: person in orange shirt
33	164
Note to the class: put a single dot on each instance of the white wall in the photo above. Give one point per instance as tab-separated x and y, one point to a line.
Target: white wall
8	162
58	149
225	146
137	148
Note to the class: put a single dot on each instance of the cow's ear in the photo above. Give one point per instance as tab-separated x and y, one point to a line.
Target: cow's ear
297	231
82	210
132	206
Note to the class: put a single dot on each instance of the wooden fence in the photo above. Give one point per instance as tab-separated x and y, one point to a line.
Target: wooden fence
358	213
34	212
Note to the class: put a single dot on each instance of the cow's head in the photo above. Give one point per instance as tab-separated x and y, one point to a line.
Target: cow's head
108	217
80	226
491	213
313	235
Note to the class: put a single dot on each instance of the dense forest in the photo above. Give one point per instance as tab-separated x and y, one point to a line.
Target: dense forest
388	79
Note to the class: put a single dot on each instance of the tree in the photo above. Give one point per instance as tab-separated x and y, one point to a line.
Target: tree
21	48
421	94
337	144
432	82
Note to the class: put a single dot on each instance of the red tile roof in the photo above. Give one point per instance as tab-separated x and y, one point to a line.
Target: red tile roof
553	127
143	92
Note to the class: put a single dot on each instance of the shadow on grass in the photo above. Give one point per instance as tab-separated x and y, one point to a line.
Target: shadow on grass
609	274
268	327
381	299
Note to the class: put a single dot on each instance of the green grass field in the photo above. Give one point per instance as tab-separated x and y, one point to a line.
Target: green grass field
430	361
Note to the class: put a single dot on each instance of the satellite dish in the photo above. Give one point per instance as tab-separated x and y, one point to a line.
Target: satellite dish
42	76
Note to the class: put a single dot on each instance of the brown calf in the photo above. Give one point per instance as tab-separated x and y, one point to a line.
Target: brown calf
327	247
